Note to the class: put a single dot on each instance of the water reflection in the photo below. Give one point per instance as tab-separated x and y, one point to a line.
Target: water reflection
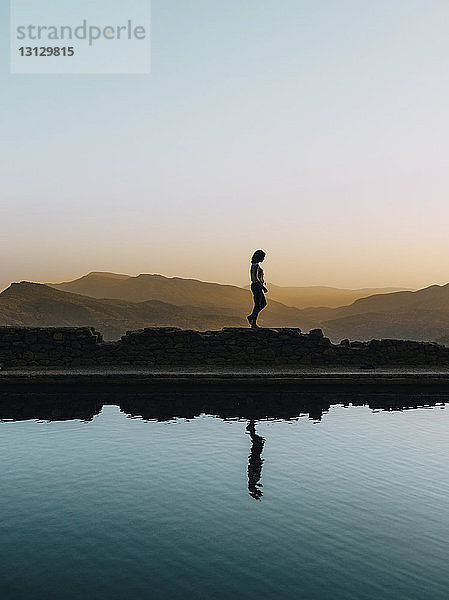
255	462
355	508
49	407
162	405
158	405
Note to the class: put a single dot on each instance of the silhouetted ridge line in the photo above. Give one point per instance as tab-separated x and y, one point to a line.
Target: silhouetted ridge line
33	304
122	303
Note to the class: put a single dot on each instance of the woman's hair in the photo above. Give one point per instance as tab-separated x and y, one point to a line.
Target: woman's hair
258	256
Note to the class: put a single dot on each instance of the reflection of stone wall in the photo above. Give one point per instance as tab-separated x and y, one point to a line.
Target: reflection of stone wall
231	347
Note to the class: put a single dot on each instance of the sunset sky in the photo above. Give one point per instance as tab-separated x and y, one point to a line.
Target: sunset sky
316	130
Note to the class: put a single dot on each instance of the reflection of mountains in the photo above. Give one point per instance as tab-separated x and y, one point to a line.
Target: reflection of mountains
226	404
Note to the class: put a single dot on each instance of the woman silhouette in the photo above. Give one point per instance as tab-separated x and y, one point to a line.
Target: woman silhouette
257	287
255	462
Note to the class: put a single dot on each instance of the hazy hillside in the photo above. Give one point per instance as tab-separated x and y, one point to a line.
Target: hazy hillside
180	292
432	298
31	304
115	303
37	305
304	297
174	290
420	315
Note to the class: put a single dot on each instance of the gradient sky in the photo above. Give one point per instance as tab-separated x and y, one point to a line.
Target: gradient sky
315	129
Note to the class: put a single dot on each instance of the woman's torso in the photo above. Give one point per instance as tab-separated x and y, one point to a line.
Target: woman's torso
256	273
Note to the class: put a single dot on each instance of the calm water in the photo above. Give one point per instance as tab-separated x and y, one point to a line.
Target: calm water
355	506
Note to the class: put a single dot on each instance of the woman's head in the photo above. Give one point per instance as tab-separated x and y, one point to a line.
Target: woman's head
258	256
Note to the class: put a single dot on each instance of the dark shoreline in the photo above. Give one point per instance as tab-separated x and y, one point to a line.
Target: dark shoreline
301	380
166	395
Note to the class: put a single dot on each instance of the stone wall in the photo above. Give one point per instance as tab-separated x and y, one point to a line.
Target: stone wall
47	346
228	347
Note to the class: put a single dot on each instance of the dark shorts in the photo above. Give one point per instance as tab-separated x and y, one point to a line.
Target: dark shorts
259	296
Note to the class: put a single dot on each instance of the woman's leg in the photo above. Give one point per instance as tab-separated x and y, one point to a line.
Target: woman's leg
259	304
251	318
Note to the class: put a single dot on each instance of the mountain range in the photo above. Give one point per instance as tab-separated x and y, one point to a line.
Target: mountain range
320	295
115	303
176	290
421	315
37	305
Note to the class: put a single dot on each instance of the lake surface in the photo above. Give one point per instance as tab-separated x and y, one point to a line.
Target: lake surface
352	506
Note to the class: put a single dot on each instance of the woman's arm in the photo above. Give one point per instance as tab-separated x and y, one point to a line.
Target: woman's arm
260	278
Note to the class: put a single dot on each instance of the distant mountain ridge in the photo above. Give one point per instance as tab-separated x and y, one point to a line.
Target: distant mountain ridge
174	290
421	315
114	303
418	315
323	296
180	292
37	305
41	305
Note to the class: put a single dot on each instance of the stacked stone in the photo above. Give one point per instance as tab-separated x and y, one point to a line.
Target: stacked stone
154	346
240	347
162	347
404	352
262	347
229	347
46	346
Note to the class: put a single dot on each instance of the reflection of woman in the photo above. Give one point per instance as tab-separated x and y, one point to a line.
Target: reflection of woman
257	287
255	462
